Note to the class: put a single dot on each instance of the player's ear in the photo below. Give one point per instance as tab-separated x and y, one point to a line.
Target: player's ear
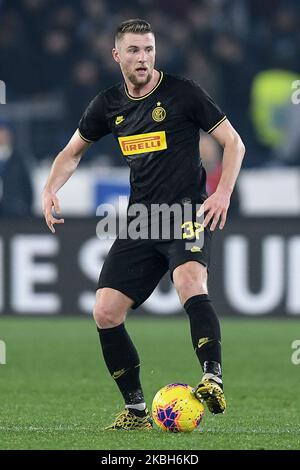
115	54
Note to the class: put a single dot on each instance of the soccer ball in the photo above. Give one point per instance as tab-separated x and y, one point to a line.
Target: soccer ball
176	409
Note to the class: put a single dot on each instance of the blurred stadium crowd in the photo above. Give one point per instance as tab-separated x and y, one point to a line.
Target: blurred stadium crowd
56	55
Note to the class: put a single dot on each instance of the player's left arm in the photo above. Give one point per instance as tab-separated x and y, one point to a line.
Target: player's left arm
216	206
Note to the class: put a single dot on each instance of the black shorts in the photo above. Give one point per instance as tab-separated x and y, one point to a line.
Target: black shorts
135	267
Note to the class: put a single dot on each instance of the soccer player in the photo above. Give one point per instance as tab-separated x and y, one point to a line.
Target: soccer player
156	118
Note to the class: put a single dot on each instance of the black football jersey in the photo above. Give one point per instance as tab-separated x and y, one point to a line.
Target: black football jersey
158	135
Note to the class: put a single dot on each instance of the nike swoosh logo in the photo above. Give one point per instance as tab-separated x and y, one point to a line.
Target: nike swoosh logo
203	341
119	119
195	249
118	373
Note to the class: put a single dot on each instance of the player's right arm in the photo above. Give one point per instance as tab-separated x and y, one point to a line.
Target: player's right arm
62	169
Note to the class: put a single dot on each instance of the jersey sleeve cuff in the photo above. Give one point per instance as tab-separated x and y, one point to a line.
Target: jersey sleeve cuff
217	124
84	138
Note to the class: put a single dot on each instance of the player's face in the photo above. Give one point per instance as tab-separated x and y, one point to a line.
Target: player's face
136	55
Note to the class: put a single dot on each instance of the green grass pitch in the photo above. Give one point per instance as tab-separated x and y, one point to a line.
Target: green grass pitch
56	393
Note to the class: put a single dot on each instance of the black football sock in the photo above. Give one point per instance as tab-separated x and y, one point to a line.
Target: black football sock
205	332
123	363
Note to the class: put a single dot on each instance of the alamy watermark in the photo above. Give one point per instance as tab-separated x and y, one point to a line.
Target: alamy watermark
153	222
295	357
2	92
296	94
2	352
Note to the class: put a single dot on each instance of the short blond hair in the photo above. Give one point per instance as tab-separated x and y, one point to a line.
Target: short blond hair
135	26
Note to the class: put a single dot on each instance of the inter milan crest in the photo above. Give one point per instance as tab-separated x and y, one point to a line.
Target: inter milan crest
158	113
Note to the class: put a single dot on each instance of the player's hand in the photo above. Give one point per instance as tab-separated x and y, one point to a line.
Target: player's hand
50	202
214	208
